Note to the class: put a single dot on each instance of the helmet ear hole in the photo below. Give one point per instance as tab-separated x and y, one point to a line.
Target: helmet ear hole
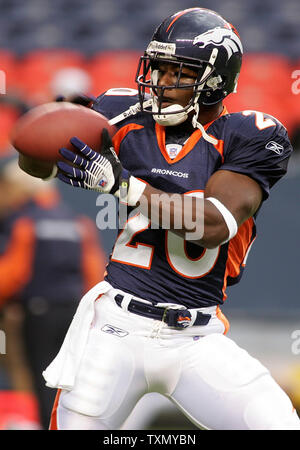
215	82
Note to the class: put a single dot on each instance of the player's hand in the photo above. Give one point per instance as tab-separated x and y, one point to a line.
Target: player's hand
89	169
99	172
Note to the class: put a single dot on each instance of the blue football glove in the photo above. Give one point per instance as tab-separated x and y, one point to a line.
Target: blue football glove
100	172
89	169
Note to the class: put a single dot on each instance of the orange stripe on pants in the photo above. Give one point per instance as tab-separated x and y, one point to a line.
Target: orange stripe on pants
53	419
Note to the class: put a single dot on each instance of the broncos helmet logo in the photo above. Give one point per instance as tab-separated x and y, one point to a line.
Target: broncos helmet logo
220	37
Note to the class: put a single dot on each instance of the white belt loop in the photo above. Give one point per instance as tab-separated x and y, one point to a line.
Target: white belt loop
169	306
125	302
193	313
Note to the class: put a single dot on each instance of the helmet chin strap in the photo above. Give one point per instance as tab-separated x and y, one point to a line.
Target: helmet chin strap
197	124
131	111
176	119
170	120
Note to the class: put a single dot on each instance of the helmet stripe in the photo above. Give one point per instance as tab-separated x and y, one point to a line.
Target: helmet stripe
179	14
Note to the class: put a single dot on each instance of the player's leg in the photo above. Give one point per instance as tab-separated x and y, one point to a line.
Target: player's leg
147	410
222	387
66	419
110	379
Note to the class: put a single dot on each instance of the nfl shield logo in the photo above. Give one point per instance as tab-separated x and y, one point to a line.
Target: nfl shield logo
103	182
173	150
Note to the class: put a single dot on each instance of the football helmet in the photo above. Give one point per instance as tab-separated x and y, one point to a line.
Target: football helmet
198	39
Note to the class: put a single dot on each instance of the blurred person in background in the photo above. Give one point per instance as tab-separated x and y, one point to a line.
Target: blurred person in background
70	82
49	257
11	108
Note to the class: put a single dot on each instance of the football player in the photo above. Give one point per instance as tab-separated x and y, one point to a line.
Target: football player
155	324
49	257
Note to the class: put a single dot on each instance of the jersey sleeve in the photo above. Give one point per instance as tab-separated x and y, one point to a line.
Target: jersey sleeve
115	101
259	148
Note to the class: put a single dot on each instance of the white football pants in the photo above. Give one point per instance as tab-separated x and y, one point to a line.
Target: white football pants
215	383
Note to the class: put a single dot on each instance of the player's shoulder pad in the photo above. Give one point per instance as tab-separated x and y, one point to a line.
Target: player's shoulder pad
255	133
115	101
251	125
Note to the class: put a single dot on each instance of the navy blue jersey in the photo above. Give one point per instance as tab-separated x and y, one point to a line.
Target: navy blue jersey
58	261
156	264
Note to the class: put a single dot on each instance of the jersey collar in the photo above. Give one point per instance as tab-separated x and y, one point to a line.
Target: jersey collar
188	146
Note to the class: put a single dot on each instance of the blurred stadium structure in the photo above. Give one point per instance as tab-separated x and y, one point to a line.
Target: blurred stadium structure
100	41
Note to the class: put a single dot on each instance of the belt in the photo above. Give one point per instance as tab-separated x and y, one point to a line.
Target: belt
178	318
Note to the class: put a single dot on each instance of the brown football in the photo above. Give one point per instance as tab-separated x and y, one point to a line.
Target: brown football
41	132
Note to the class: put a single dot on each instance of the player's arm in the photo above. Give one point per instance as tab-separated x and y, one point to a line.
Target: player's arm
239	194
242	182
37	168
232	195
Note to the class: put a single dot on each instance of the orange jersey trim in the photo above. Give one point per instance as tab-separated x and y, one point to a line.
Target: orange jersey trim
191	142
223	319
188	146
237	249
122	132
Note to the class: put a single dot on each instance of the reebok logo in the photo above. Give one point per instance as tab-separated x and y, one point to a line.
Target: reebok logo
275	147
114	330
173	173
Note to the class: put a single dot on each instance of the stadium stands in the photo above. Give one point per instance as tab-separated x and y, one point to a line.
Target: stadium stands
265	82
129	24
8	64
113	69
95	25
105	38
38	68
8	116
265	85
